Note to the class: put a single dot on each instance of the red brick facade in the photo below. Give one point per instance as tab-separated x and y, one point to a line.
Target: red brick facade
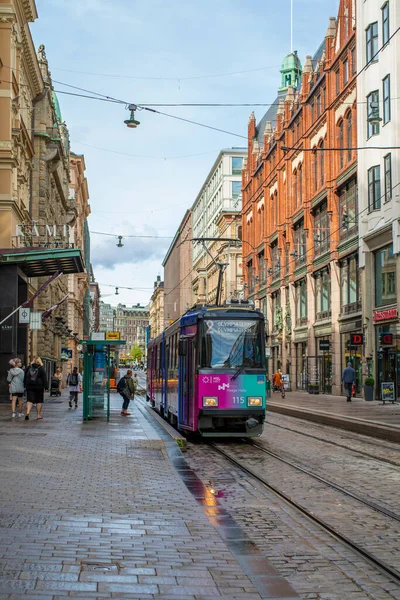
299	211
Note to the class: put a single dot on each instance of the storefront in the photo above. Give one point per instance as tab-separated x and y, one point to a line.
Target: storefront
387	344
301	365
323	363
352	349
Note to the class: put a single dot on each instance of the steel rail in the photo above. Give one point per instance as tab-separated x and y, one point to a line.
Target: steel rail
393	573
331	484
315	437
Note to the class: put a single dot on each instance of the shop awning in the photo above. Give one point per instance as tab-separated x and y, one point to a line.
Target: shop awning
44	262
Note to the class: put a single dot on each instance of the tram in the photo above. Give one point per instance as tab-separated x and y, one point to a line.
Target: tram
206	372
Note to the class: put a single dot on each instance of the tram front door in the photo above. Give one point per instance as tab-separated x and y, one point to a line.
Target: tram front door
187	357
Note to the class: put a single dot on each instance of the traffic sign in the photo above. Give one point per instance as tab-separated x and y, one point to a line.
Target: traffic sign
24	315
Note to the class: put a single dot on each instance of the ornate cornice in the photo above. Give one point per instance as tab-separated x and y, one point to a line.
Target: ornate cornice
29	10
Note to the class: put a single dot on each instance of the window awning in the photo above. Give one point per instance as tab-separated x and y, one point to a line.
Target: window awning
44	262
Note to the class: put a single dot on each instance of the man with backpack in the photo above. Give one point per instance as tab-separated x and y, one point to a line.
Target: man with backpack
74	381
35	382
126	388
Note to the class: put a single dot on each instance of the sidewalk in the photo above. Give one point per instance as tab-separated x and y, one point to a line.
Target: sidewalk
97	510
370	418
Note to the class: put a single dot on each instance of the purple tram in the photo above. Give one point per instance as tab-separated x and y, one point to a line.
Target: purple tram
206	372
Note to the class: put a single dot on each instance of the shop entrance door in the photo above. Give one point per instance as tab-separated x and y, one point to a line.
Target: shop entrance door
319	374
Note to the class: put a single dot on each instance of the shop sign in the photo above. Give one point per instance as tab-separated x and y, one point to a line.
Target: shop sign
385	315
356	339
36	319
98	335
387	391
386	339
324	345
113	335
65	354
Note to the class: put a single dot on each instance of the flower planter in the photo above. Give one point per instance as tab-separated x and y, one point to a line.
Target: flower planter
369	393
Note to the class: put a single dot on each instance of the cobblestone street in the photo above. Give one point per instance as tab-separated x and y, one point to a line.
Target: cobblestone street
101	510
314	562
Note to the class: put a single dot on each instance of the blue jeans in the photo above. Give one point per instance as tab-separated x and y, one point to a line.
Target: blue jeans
126	401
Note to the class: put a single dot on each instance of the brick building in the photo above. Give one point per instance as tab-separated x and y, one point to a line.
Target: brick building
300	234
178	272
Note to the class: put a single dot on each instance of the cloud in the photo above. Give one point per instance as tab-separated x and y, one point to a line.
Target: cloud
105	252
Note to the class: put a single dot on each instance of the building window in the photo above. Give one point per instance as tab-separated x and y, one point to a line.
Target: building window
371	36
348	210
237	163
386	99
315	168
287	259
388	177
301	302
321	229
385	277
337	81
275	262
373	113
349	135
323	98
349	285
318	103
353	61
236	189
341	144
300	176
321	164
322	294
345	71
385	23
295	189
250	277
276	311
374	188
262	271
300	244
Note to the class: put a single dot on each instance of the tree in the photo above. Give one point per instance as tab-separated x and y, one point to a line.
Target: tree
136	352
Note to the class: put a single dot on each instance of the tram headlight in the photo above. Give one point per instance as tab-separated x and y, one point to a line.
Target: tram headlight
254	401
210	401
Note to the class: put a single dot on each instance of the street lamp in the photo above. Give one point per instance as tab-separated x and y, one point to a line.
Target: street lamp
120	244
131	122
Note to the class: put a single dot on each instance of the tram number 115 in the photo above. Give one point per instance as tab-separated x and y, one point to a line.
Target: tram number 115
238	399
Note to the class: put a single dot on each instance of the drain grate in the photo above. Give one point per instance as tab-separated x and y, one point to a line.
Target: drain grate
144	453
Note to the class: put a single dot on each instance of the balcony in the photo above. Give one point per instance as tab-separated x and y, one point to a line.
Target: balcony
301	321
321	316
231	204
349	309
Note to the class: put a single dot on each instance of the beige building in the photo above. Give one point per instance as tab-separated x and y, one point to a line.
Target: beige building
78	284
156	317
217	216
177	265
131	322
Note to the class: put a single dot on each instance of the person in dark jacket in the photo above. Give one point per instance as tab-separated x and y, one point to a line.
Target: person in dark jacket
35	384
348	378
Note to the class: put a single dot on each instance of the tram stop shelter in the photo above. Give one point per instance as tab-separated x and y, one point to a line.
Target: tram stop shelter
98	359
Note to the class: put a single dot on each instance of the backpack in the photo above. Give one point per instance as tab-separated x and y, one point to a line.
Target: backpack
121	385
32	376
73	379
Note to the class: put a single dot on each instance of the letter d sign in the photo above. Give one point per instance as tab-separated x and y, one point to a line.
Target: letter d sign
357	339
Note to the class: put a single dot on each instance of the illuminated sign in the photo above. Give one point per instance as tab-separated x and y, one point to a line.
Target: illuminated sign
356	339
384	315
386	339
113	335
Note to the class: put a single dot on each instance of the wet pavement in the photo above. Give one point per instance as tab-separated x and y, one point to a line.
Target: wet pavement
97	510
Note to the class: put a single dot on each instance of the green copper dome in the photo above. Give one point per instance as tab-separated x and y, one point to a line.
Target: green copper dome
291	71
56	107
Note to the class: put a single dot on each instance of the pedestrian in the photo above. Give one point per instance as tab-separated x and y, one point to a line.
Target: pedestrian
36	383
278	379
16	378
74	381
126	389
58	375
348	378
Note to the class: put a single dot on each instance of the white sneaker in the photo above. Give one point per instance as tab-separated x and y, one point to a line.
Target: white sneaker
13	415
20	414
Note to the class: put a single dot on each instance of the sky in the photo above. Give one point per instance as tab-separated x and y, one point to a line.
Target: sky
141	181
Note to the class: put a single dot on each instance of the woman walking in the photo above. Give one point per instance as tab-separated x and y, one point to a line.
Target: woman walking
58	375
35	383
16	378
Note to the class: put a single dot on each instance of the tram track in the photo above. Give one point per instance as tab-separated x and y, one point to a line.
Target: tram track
339	445
333	531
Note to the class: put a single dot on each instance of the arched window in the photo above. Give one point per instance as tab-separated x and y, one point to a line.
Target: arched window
341	144
349	136
295	188
300	171
321	163
315	169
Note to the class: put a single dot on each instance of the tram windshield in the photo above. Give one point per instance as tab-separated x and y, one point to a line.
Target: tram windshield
229	344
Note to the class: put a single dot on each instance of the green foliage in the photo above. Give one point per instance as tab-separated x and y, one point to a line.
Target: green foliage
136	352
369	381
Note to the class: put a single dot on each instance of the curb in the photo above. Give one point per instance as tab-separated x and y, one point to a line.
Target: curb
369	428
179	438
